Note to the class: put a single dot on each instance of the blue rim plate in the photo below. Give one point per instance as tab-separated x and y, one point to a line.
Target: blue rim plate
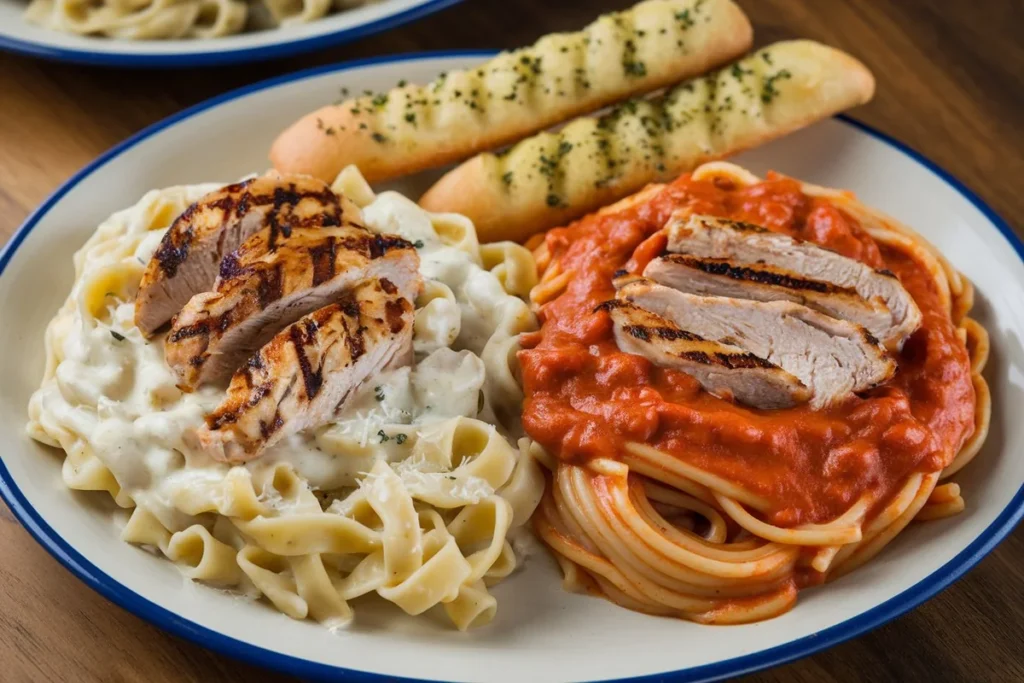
963	558
18	36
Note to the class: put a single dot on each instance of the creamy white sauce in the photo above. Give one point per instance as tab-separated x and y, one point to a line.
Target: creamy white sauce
113	392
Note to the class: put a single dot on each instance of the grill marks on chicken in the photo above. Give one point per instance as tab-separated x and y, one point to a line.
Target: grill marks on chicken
746	245
188	258
259	291
253	250
722	369
304	375
833	358
724	277
276	284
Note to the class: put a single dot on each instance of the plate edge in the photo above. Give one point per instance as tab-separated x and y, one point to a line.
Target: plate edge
131	601
259	53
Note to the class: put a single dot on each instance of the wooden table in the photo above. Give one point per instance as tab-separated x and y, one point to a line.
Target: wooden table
949	84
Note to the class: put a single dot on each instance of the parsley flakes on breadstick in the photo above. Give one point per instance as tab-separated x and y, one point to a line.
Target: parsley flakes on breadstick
412	128
550	178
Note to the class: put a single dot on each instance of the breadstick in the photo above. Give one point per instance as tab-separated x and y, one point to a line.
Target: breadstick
551	178
412	127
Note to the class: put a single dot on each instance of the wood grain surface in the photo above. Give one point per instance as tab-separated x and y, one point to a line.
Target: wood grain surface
950	84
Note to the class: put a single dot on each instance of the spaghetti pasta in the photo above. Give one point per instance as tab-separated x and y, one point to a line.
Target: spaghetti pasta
666	500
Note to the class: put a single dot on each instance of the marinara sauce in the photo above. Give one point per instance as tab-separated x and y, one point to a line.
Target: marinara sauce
585	398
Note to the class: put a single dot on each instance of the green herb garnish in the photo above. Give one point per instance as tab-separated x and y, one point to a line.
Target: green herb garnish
768	91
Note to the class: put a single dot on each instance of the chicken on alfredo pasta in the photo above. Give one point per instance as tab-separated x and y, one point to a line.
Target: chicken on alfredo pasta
168	19
410	489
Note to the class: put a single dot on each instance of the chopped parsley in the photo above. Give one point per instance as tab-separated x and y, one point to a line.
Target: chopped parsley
117	335
630	65
768	90
738	72
378	393
401	438
418	244
383	437
327	130
634	68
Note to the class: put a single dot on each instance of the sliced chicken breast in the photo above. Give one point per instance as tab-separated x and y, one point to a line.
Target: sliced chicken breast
723	277
746	244
832	357
256	297
304	375
189	256
722	369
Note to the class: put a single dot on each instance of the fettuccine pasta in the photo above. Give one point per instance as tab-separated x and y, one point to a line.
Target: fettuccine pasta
410	493
171	19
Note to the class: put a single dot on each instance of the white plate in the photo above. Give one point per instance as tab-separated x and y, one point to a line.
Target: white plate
540	633
18	35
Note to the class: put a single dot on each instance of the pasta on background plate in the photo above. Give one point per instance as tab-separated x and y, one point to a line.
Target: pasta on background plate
410	493
171	19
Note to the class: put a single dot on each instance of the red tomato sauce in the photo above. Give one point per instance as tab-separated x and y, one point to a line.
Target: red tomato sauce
585	398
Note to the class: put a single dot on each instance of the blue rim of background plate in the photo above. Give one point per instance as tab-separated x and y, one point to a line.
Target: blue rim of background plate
303	668
225	56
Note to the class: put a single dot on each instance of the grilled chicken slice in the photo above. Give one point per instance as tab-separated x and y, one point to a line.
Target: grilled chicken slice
722	277
722	369
304	375
189	256
256	297
832	357
747	244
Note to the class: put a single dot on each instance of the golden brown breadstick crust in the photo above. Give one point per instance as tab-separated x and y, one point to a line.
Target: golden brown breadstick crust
412	128
550	178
